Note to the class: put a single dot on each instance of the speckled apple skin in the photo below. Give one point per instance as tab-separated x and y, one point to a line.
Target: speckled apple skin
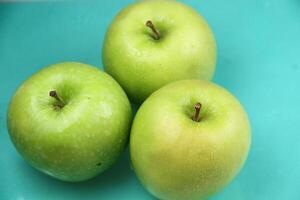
82	139
177	158
141	64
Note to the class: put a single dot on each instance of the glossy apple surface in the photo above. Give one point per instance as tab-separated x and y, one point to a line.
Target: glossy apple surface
70	121
141	61
179	157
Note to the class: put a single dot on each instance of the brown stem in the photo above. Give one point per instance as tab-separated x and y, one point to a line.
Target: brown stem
154	30
196	117
54	94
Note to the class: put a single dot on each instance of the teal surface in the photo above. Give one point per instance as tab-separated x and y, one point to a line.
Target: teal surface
258	61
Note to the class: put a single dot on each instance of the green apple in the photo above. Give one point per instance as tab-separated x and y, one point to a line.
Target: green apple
188	140
151	43
70	121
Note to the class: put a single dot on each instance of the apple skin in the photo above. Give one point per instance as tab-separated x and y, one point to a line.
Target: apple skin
80	140
141	64
177	158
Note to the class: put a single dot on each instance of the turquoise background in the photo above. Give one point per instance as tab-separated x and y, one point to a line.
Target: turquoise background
258	61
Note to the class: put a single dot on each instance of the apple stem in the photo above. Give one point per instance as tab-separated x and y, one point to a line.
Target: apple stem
54	94
154	30
196	117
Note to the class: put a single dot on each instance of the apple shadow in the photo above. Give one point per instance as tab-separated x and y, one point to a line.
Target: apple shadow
117	176
120	178
113	177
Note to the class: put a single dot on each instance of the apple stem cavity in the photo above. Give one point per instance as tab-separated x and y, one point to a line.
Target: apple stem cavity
54	94
196	117
156	35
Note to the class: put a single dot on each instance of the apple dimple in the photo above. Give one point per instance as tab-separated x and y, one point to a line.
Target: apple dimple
156	30
59	103
63	94
195	111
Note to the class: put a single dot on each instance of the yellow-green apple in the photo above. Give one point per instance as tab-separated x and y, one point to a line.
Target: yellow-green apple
151	43
189	139
70	121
